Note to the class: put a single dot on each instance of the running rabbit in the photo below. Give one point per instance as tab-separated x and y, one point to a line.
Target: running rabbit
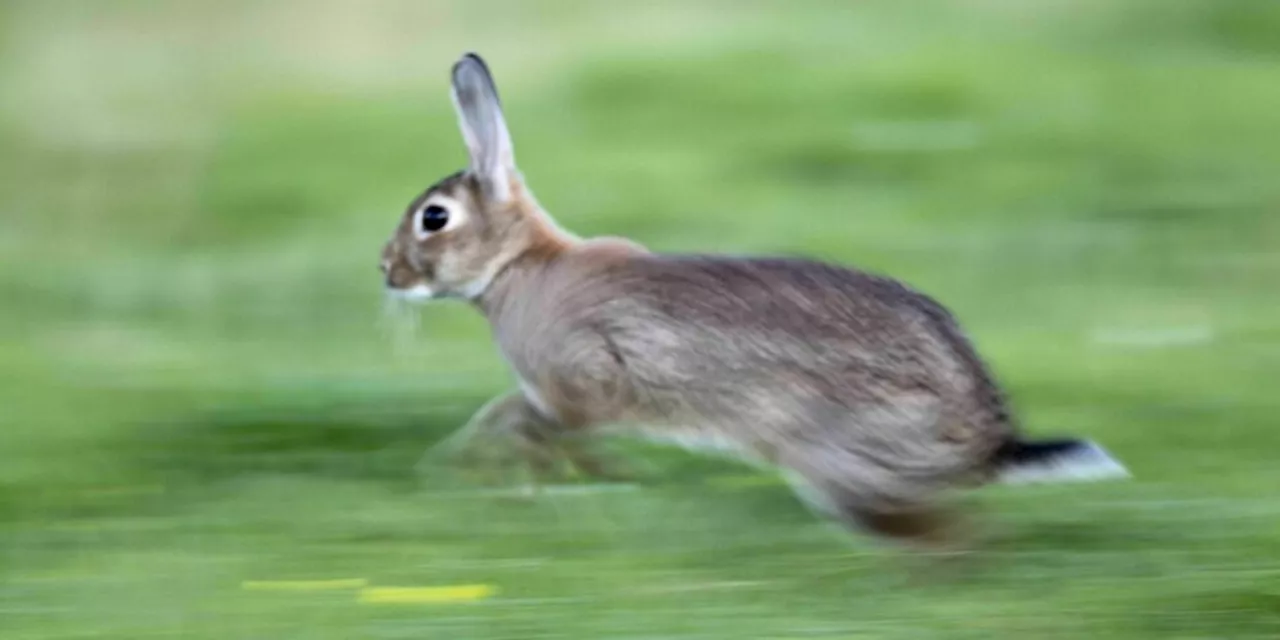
864	392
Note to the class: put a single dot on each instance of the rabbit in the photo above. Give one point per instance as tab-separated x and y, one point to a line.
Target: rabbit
865	393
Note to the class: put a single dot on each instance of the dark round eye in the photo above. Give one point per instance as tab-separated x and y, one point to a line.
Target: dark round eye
434	218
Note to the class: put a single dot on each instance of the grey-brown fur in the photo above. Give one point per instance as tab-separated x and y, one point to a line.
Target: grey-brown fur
865	392
862	386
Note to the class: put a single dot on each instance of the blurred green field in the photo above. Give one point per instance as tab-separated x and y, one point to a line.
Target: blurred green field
199	387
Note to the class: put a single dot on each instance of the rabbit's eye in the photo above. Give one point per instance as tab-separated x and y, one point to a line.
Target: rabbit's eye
434	218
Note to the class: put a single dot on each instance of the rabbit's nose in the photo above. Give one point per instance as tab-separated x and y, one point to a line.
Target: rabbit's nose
384	266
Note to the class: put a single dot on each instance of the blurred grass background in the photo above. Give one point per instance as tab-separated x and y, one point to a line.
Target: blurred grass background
198	387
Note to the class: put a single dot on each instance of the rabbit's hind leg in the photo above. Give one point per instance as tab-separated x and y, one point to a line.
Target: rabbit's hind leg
862	492
932	528
939	536
921	521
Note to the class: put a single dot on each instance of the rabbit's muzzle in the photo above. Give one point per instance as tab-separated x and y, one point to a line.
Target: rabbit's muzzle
401	273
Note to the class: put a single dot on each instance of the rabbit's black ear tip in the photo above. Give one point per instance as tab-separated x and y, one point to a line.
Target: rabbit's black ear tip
473	58
470	60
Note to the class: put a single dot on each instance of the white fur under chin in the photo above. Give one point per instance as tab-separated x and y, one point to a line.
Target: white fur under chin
476	288
421	293
1087	463
417	293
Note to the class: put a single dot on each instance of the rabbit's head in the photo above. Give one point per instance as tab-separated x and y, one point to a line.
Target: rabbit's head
462	231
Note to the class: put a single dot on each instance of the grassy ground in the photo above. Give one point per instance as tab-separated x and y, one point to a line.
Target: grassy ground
198	389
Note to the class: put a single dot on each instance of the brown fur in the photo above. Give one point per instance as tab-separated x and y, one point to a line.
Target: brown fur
866	392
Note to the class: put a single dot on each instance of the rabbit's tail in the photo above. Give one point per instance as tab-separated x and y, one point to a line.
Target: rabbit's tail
1022	462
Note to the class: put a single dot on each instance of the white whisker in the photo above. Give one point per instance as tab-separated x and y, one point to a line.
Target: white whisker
399	321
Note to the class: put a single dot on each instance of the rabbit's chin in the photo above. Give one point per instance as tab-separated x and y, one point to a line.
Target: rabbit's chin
418	294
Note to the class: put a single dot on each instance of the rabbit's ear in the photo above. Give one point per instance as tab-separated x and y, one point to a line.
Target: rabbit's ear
475	96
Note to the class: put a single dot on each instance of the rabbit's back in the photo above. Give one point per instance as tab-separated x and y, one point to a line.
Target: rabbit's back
764	349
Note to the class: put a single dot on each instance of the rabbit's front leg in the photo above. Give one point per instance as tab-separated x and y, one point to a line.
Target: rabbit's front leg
590	462
506	434
538	444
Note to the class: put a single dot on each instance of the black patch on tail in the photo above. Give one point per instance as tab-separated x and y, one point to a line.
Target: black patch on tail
1019	453
1059	460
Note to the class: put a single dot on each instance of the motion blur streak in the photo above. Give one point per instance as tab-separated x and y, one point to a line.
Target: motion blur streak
198	387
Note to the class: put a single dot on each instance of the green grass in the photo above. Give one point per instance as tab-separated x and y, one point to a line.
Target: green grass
198	387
